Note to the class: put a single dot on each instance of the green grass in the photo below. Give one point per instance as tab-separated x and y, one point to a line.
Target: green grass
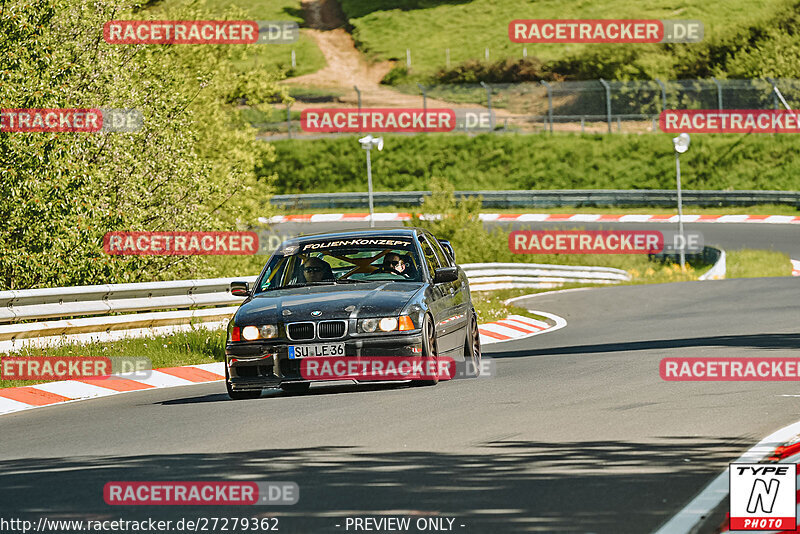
536	162
384	29
748	263
308	56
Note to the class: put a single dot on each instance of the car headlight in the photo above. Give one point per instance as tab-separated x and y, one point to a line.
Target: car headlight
385	324
368	325
251	333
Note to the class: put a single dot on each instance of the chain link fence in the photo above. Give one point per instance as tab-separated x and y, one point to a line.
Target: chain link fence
593	106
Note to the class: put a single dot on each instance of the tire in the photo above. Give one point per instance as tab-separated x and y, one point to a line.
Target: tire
296	387
239	395
429	352
472	347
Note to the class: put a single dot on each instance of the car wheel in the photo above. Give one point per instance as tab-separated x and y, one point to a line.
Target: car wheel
239	395
296	387
472	346
429	352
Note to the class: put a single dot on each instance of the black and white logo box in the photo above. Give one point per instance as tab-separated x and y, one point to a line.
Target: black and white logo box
763	496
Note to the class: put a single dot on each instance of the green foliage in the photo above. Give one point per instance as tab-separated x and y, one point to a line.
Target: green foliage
398	74
456	221
569	161
503	71
474	243
264	58
190	168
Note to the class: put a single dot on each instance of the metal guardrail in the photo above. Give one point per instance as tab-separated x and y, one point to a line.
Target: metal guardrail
207	302
210	304
710	255
491	276
547	198
25	314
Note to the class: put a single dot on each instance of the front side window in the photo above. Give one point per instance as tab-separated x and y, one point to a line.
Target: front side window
430	256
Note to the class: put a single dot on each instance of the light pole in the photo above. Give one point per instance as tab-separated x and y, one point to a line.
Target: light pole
681	144
367	143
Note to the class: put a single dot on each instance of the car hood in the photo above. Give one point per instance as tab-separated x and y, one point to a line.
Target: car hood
380	298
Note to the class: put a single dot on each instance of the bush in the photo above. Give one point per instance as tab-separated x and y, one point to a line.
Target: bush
474	243
503	71
192	166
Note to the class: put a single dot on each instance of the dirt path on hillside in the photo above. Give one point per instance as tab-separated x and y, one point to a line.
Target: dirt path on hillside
347	68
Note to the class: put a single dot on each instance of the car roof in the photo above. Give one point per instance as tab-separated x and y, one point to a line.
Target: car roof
407	231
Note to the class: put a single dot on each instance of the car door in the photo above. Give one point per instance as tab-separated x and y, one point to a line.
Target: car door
447	327
461	304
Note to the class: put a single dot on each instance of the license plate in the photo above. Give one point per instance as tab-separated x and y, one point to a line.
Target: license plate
313	351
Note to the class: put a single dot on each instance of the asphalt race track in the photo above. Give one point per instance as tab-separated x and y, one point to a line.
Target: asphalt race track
575	433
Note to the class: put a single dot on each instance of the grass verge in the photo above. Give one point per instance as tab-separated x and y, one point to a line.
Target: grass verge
183	348
747	263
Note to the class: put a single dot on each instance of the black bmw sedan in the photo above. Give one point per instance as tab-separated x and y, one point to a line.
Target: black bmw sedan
368	293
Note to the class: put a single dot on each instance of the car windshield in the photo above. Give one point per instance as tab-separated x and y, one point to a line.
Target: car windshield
342	261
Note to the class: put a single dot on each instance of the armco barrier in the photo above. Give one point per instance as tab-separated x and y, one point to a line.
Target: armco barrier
490	276
207	301
547	198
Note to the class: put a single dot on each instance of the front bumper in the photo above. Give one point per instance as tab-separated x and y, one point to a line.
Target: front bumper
259	365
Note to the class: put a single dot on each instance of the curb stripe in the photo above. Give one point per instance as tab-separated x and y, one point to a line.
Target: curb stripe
191	373
507	324
544	217
32	396
118	384
495	335
72	389
538	326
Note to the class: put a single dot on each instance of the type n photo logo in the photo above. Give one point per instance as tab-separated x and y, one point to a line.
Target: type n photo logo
763	496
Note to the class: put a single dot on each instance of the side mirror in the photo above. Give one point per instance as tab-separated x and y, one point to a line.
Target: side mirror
445	274
449	249
240	289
